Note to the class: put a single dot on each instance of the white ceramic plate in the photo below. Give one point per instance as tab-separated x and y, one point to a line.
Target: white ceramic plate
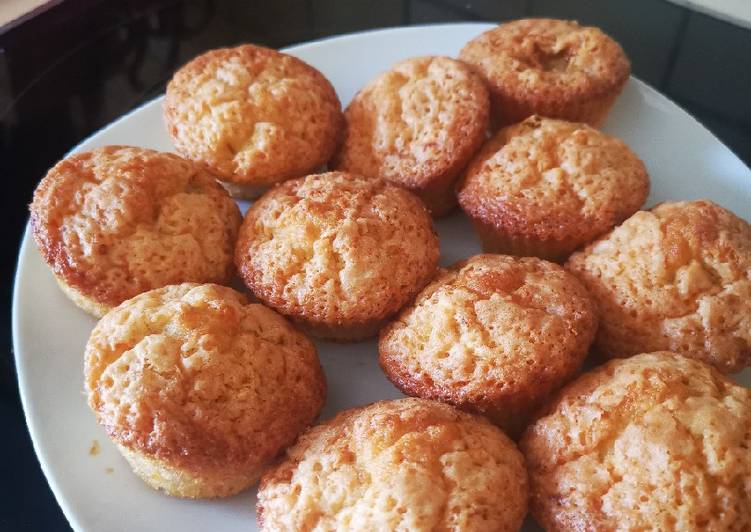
99	492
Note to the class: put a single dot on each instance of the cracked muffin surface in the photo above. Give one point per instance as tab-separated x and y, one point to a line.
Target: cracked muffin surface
654	442
549	67
336	252
417	125
545	187
117	221
200	389
253	116
675	278
407	464
493	334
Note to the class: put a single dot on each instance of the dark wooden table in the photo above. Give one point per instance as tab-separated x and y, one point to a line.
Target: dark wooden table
73	66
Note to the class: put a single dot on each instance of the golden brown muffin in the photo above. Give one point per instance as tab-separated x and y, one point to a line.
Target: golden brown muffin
253	116
417	125
117	221
407	464
493	334
675	278
549	67
199	389
544	187
653	442
337	253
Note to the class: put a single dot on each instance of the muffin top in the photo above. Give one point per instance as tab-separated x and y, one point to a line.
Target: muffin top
117	221
653	442
494	333
336	248
253	115
554	180
548	60
195	376
407	464
417	123
677	277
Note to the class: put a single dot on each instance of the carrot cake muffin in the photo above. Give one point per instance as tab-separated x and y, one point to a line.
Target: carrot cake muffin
407	464
675	278
654	442
337	253
417	125
545	187
253	116
117	221
493	334
200	389
549	67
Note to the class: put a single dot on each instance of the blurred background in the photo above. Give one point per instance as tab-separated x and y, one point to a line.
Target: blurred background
67	68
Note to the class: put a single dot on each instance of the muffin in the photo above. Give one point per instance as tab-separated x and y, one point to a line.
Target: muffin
117	221
675	278
549	67
417	125
545	187
654	442
494	335
337	253
200	389
253	116
407	464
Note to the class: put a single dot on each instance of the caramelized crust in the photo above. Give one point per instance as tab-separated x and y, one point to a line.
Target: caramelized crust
549	67
200	387
676	278
337	253
493	334
408	464
549	186
653	442
417	125
117	221
253	116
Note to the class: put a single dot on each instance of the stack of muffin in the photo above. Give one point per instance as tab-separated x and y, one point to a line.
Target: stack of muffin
202	389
